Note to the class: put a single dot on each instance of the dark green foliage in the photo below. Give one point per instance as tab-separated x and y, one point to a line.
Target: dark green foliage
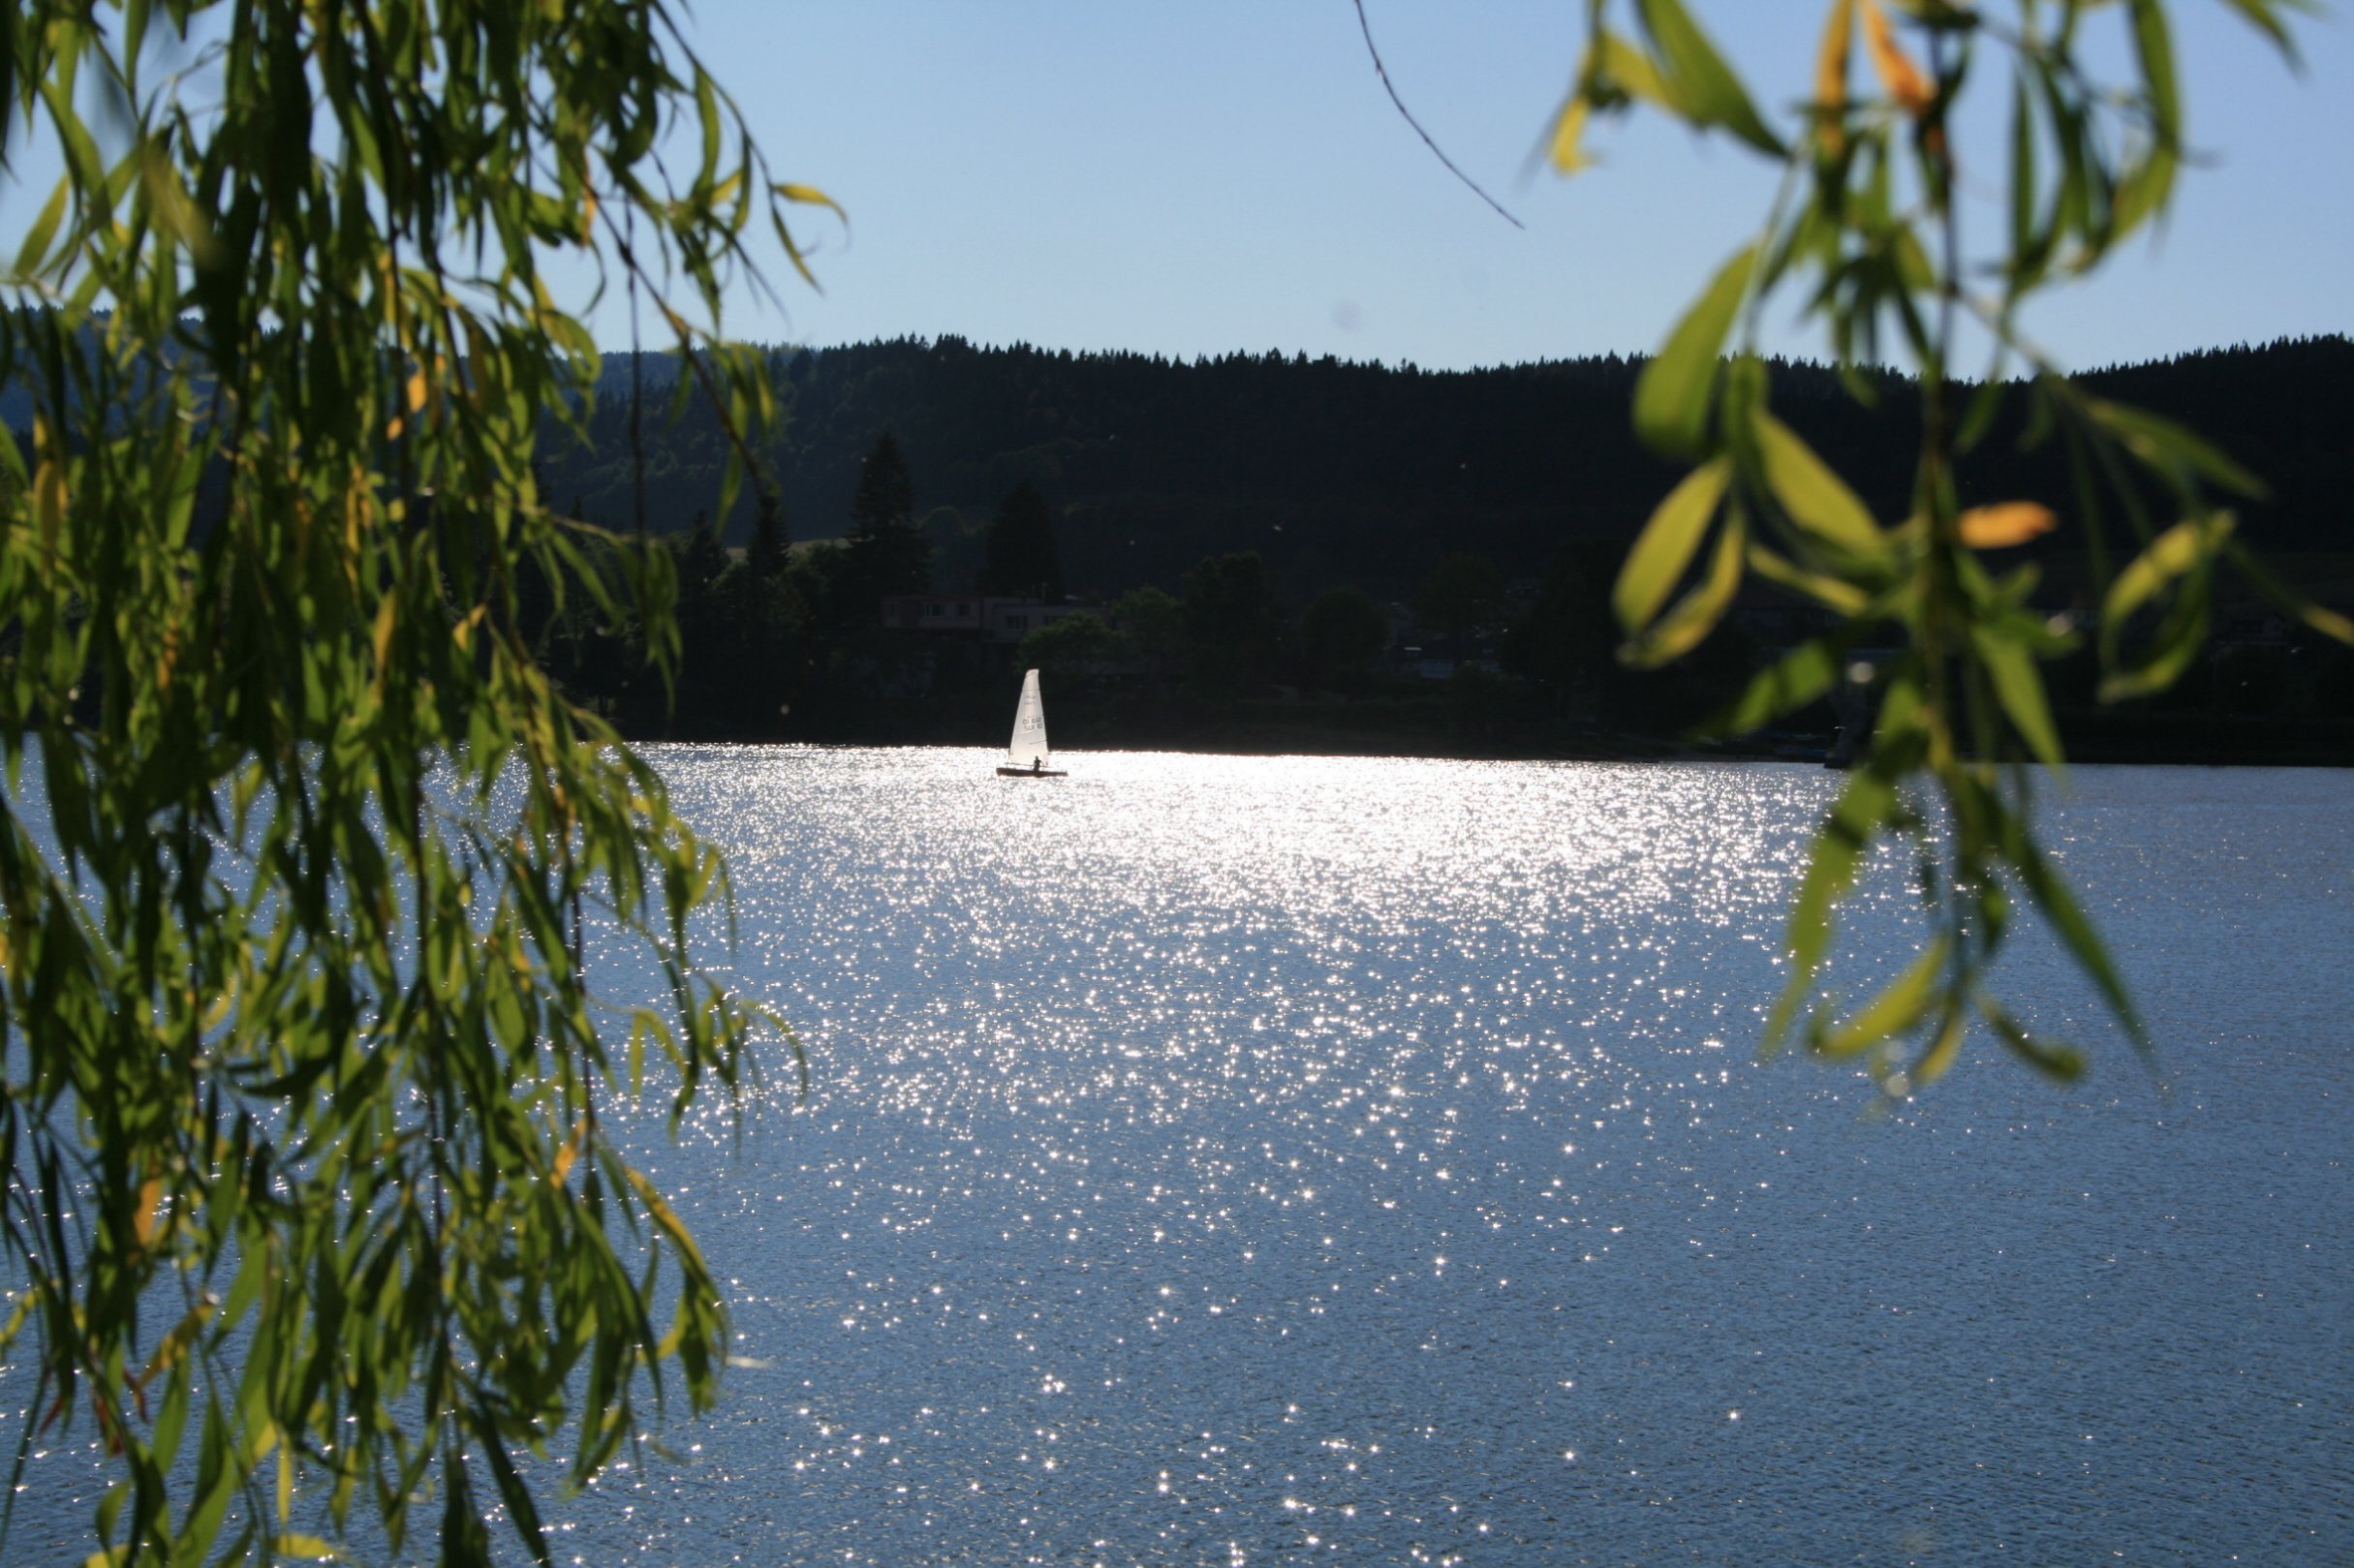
888	554
1340	633
1350	472
1868	235
1229	621
1569	639
1068	647
770	543
1151	630
1464	592
886	494
1021	557
303	840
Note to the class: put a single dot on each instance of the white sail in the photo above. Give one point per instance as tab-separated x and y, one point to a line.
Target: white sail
1028	748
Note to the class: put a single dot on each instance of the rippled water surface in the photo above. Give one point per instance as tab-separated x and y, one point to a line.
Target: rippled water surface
1246	1161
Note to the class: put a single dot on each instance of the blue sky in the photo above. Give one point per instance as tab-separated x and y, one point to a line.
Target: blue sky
1198	177
1227	174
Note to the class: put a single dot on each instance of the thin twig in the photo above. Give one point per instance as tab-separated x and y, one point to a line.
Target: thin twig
1381	71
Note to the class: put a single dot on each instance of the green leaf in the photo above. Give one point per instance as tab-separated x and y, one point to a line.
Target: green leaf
1863	807
2028	247
1800	676
1625	68
1834	593
1896	1010
1667	544
2155	50
1704	87
36	247
1943	1048
2328	622
1696	614
2063	1063
2187	546
2171	449
2177	642
2265	15
2019	688
1816	499
2052	895
1671	402
707	110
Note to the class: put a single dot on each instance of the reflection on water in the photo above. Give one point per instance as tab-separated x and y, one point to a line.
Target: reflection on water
1219	1161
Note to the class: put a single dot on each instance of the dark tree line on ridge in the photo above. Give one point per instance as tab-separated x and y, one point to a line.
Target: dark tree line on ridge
1335	471
1252	522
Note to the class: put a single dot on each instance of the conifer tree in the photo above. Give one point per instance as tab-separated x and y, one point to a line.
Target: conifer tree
771	546
889	553
1021	554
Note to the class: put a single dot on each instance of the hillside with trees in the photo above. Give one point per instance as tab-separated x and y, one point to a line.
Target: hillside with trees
1276	553
1337	471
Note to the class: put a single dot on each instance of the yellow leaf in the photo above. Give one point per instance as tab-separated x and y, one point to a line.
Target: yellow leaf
416	391
218	1013
1889	62
1830	75
1567	157
570	1150
145	1221
808	196
393	428
386	615
1999	527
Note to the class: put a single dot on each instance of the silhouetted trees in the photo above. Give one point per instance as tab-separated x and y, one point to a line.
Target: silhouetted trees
1151	628
1462	594
1341	634
1070	646
1229	620
1568	637
770	546
1340	472
1019	554
888	554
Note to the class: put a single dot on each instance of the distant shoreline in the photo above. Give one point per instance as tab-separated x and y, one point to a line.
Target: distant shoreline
2319	751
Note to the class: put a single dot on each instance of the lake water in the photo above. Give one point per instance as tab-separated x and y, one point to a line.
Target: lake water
1236	1162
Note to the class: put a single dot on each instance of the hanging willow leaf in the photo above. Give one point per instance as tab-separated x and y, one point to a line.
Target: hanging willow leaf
288	957
2019	688
2172	450
2003	526
2322	619
2187	546
1696	614
1815	498
1897	1010
1674	394
1860	249
1667	543
1703	86
1799	677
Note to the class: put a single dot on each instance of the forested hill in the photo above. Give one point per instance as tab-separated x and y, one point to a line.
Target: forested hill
1351	472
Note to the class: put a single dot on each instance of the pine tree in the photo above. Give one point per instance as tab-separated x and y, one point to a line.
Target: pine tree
1019	553
889	553
771	546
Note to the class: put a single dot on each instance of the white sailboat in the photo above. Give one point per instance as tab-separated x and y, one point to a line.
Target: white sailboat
1026	754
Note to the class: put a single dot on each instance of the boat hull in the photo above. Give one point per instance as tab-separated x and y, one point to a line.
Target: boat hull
1025	773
